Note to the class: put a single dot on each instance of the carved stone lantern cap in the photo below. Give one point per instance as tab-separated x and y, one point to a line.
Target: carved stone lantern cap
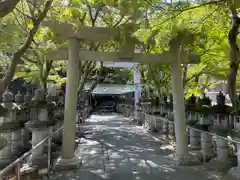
38	95
8	100
27	97
7	97
18	97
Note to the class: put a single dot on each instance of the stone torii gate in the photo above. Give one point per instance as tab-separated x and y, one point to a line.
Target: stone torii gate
75	55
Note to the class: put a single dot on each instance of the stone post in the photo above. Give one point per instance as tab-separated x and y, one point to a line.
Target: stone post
151	119
141	115
222	150
155	112
206	139
158	123
194	136
125	110
86	108
59	115
221	128
146	115
235	171
195	139
171	129
3	144
166	123
137	117
67	159
121	109
222	144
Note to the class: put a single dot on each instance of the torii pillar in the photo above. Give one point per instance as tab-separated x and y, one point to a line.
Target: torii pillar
67	159
137	93
137	83
175	57
181	135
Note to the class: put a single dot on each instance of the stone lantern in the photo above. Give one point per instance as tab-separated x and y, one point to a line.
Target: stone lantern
23	116
10	130
40	124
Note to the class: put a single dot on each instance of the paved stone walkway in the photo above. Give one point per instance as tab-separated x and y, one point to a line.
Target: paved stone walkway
117	150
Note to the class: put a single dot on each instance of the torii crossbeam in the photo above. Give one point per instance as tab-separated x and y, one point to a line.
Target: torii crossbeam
74	55
163	58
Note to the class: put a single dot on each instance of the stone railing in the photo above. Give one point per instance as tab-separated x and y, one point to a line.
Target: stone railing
126	110
214	138
19	170
84	109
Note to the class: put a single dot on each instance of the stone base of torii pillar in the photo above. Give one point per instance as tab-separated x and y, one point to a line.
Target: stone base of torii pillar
67	164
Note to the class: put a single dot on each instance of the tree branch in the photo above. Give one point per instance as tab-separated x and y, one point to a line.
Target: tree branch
47	68
187	9
194	76
83	76
119	21
200	5
25	15
234	55
94	19
83	18
30	60
7	6
24	28
185	70
31	10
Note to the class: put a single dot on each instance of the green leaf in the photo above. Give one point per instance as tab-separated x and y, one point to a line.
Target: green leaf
30	26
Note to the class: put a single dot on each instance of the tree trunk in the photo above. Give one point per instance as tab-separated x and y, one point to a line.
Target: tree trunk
46	71
43	83
185	70
156	82
234	57
83	76
21	51
7	6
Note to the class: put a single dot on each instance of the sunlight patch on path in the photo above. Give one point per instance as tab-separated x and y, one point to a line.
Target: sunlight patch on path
118	150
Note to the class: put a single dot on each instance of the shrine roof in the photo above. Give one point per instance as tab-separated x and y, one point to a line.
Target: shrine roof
111	88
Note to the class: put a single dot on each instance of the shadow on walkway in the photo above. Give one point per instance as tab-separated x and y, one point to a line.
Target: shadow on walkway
114	149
